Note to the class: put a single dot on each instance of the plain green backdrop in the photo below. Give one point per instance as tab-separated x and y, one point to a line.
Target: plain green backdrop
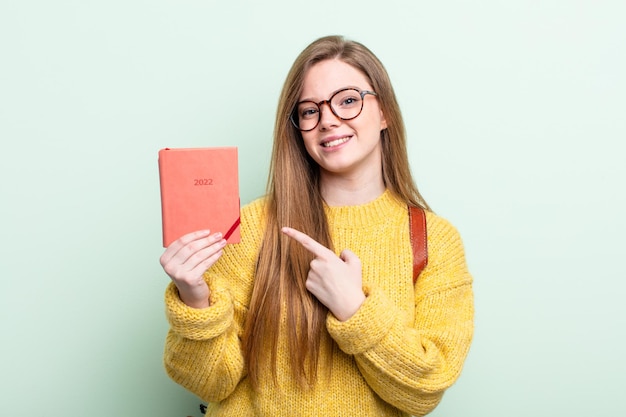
515	112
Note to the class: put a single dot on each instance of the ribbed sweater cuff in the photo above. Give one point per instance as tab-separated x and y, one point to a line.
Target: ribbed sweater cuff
199	324
366	327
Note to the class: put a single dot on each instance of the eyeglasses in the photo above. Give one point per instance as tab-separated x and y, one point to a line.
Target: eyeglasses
346	104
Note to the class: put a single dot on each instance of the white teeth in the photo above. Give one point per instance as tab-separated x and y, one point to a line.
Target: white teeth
335	142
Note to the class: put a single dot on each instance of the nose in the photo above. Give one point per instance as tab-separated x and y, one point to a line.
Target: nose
327	117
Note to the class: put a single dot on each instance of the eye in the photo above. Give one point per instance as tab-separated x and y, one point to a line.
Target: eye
347	99
307	111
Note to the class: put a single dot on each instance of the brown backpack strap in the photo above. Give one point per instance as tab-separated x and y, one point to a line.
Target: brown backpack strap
417	229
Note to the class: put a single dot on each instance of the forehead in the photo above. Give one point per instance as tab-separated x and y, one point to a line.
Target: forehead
326	77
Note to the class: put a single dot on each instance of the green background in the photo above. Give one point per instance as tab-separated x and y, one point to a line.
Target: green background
515	112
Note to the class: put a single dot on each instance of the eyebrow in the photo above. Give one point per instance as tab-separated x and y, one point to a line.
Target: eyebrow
331	94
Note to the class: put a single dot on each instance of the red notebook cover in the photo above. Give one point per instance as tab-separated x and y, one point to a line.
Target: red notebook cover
199	190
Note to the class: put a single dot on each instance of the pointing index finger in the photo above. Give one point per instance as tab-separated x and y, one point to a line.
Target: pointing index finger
307	242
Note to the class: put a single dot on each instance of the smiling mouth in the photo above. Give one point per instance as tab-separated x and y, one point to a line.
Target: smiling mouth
336	142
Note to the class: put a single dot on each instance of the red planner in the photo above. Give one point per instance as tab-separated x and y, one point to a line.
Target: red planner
199	190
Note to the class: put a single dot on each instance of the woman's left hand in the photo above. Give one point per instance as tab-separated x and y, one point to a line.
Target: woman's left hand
336	281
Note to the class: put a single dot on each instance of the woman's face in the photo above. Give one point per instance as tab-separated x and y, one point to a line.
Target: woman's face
343	147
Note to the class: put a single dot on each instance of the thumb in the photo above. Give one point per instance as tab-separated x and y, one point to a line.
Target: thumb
349	257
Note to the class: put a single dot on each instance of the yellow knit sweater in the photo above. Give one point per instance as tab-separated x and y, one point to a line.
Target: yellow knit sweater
395	357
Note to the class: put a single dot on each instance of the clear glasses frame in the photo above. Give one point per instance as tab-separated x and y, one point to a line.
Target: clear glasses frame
295	117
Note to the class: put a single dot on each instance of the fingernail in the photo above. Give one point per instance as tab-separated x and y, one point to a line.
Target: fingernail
218	235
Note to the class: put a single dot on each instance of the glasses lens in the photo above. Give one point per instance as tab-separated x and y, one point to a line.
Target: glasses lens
347	104
306	115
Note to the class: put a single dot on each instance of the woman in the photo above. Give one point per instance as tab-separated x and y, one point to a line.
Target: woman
315	311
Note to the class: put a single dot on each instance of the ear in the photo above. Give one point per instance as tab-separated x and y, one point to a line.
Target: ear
383	121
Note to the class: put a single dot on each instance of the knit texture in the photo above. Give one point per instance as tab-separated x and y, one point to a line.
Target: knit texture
394	357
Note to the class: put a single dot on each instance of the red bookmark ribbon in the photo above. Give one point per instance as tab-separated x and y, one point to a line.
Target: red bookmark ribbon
232	228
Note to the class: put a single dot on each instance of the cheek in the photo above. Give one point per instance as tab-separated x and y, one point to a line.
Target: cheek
370	122
371	127
379	120
309	145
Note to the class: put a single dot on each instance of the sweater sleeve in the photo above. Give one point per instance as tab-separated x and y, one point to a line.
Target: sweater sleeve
203	350
410	363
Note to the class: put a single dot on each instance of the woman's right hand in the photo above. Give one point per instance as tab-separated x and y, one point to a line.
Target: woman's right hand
186	260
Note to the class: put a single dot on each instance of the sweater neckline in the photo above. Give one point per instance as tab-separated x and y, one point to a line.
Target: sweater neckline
377	211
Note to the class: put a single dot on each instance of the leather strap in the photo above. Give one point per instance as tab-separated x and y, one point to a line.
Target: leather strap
417	229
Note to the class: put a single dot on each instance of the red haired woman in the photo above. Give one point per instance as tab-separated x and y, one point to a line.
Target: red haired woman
314	312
